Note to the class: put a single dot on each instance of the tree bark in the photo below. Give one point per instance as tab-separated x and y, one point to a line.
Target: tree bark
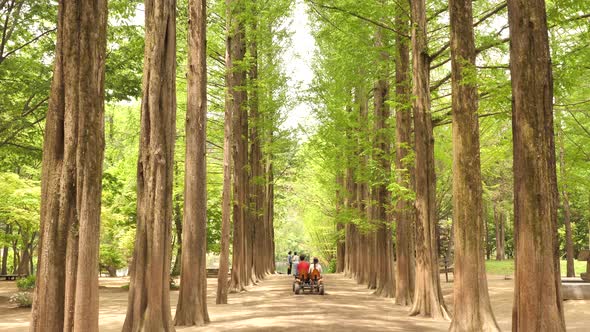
259	253
362	197
499	222
385	282
178	228
25	257
472	308
237	99
350	192
268	201
15	257
340	227
404	210
567	214
5	253
428	299
192	298
66	293
271	209
222	280
149	292
537	299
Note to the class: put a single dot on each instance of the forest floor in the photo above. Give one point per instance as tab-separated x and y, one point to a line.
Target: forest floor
271	306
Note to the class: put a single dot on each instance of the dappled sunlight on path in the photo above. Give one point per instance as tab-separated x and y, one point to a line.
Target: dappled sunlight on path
271	306
345	307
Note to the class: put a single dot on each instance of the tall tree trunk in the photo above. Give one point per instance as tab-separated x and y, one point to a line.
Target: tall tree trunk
32	250
267	218
567	215
148	308
192	298
428	299
348	193
268	197
340	227
237	99
178	228
260	253
404	210
271	212
385	282
5	254
15	257
222	280
25	257
499	223
503	235
362	198
472	308
349	229
66	294
537	299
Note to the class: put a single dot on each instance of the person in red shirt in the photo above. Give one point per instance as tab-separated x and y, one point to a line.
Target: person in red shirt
303	267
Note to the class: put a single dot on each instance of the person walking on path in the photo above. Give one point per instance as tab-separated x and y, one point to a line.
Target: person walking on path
295	260
289	263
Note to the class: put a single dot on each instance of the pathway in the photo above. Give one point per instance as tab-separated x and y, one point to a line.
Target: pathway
271	306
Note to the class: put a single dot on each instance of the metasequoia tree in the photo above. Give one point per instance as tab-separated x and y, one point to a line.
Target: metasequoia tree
66	293
340	227
380	195
499	222
222	280
268	209
149	292
192	298
361	203
537	289
472	309
404	210
258	253
428	299
237	101
349	196
4	268
565	202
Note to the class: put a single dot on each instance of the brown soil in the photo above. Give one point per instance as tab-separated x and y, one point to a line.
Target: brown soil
271	306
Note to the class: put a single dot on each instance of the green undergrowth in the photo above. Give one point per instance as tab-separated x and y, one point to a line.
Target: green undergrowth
506	267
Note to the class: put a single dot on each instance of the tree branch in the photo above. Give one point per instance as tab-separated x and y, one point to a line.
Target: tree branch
366	19
495	11
28	43
439	83
480	21
578	122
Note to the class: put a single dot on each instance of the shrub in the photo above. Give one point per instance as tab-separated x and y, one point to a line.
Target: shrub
26	284
332	266
22	299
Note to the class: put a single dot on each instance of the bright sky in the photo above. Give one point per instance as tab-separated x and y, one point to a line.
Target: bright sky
297	60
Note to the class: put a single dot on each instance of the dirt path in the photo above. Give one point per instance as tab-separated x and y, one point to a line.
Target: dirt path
271	306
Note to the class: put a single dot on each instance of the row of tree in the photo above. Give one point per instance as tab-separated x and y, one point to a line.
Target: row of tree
449	69
66	295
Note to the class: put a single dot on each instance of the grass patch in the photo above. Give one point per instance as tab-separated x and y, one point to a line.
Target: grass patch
506	267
